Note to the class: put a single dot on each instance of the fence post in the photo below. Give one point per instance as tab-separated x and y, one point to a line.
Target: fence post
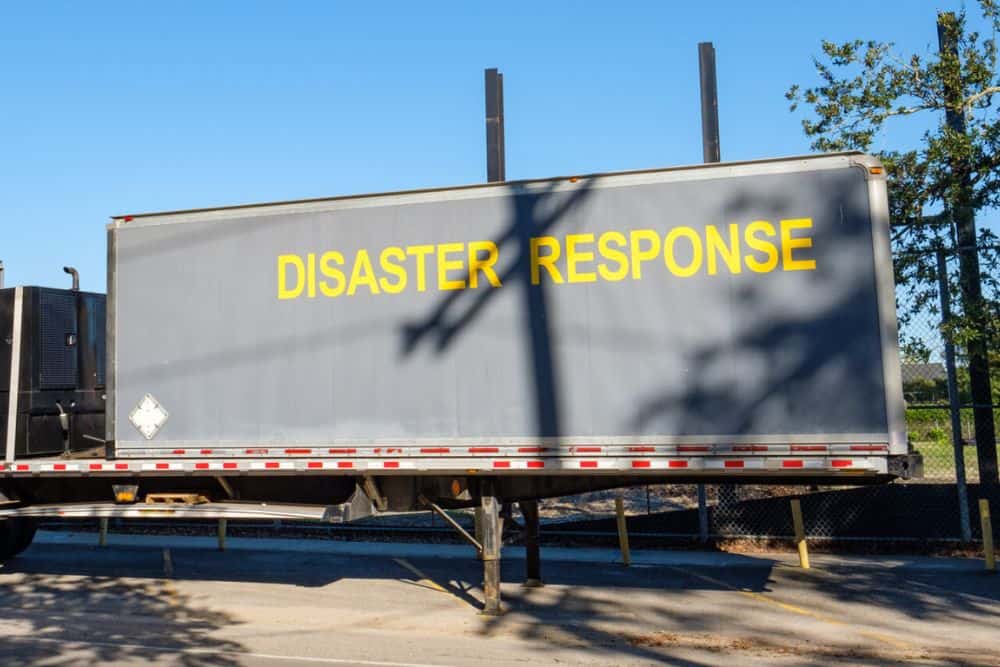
222	534
102	535
965	525
800	533
622	530
702	514
984	518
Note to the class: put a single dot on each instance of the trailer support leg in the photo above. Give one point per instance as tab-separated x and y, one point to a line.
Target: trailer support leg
532	551
491	552
477	518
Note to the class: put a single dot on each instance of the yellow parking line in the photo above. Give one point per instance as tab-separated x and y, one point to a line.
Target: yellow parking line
426	581
760	597
422	578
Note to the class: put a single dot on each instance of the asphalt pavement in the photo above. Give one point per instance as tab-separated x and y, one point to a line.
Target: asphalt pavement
169	600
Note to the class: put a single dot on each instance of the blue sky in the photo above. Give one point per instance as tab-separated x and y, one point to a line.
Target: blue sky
109	108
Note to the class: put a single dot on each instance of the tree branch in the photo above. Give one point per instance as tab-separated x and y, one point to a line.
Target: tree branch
972	99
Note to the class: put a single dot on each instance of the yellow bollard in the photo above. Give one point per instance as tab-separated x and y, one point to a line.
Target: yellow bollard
984	518
622	531
800	533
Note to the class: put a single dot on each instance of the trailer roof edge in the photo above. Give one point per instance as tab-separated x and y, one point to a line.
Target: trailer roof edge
692	167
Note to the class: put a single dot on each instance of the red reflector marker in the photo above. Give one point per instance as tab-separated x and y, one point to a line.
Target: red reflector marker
792	463
391	464
59	466
677	464
162	466
201	466
484	450
434	450
121	466
587	450
96	466
642	450
314	464
733	464
229	465
536	464
588	464
272	464
342	451
345	464
23	466
841	463
298	451
640	464
501	464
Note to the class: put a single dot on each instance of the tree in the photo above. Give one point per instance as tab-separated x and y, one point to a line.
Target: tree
936	187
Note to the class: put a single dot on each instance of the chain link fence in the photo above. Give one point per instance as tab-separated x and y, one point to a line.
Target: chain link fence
942	505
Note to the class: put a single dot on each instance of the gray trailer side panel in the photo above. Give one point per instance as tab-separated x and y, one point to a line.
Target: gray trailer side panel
748	357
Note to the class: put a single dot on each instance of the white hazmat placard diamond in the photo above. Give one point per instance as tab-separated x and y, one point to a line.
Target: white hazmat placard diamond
149	417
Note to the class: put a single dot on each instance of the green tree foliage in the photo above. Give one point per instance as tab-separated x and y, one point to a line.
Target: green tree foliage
866	85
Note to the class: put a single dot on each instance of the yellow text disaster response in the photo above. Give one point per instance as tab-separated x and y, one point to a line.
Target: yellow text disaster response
758	247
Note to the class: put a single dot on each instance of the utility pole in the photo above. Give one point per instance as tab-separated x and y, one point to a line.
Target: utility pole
711	152
488	522
953	400
964	216
496	171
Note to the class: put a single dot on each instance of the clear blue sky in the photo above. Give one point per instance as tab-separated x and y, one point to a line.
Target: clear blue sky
110	108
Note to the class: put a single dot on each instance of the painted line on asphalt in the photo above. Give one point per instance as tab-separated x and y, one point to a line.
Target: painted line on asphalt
424	580
216	652
421	577
794	609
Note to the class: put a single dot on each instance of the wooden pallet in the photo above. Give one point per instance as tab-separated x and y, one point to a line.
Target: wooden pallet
175	499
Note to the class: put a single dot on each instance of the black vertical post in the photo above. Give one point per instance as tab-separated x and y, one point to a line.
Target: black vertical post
964	215
496	169
709	103
711	152
533	562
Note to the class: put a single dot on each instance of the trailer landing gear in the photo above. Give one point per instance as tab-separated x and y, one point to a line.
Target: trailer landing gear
492	528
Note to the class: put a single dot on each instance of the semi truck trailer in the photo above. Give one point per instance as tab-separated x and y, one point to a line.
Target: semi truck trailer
467	346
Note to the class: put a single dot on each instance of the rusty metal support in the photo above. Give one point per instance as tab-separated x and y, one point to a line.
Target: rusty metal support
474	541
491	550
